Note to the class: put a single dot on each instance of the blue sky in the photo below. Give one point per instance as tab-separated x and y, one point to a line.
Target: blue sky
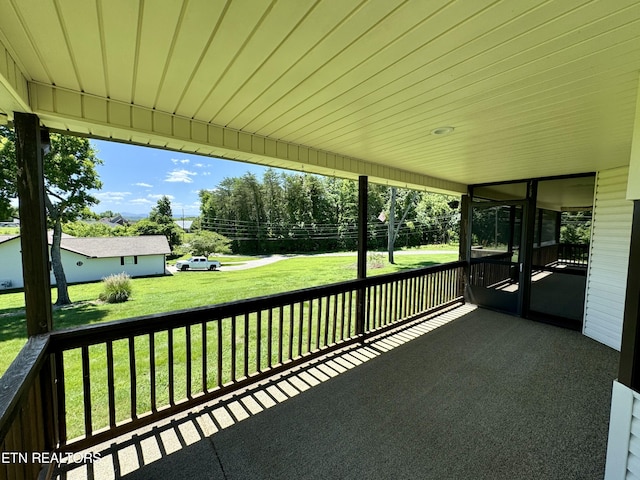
134	178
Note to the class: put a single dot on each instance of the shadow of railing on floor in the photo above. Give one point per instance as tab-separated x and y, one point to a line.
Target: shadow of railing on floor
142	448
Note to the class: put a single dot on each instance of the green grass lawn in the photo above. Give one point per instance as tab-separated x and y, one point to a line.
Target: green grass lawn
162	294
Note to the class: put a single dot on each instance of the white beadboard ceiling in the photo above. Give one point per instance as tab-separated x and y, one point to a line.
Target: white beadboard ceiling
533	88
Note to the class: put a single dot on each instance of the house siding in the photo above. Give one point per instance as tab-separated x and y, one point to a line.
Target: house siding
10	270
93	269
608	258
90	270
623	449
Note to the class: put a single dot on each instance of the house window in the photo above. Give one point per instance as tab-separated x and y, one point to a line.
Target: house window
129	260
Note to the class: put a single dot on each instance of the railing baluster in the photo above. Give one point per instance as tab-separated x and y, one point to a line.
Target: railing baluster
335	317
417	308
187	332
204	359
403	298
309	325
111	396
384	308
86	388
246	345
396	297
452	285
350	313
170	365
343	299
444	293
270	337
368	301
300	327
219	352
375	319
133	378
62	399
258	340
233	348
281	333
434	284
326	321
152	371
319	323
291	320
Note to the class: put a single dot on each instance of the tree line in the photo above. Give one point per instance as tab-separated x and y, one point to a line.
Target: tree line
295	212
281	213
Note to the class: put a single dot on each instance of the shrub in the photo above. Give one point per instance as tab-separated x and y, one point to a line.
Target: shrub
117	288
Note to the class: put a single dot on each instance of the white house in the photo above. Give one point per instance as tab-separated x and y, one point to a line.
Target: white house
87	259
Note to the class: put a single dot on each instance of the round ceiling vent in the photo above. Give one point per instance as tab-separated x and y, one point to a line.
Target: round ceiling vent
442	131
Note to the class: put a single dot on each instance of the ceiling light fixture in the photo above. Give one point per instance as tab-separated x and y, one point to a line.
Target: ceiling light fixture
442	131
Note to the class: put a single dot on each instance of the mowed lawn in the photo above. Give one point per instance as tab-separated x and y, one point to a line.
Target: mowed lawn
192	289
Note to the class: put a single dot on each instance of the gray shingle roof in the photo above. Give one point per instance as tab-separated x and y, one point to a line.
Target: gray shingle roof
102	247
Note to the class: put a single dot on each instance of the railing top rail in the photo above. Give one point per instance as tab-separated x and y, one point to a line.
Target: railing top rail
18	379
119	329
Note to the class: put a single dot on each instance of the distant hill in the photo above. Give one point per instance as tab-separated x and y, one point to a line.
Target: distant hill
134	216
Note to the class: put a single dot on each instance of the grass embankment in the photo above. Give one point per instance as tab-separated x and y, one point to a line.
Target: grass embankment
162	294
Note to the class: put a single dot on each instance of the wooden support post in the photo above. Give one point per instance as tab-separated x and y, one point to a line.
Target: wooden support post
464	253
629	370
35	258
526	256
464	241
33	225
362	251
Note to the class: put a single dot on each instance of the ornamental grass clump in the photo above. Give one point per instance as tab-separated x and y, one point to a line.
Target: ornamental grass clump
117	288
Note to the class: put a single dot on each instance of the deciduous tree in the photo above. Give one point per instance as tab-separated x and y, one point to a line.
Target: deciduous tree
208	243
70	175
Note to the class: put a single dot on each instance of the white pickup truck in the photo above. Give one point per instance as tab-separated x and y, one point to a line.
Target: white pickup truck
197	263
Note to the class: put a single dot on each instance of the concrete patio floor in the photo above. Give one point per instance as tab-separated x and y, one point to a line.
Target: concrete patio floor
469	394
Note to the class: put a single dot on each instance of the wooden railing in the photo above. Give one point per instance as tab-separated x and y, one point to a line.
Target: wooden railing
118	376
489	270
573	254
23	423
545	255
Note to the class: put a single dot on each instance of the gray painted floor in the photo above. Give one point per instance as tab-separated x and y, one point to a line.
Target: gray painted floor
485	396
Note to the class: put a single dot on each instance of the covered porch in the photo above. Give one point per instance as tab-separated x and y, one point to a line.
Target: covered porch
465	393
448	97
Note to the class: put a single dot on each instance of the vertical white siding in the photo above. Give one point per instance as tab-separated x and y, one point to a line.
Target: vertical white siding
623	449
608	258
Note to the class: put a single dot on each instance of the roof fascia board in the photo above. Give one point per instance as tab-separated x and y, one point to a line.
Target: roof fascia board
98	117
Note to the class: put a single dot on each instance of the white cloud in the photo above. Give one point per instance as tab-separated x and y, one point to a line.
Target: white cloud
159	196
205	174
199	165
145	185
189	208
112	196
141	201
183	176
183	161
